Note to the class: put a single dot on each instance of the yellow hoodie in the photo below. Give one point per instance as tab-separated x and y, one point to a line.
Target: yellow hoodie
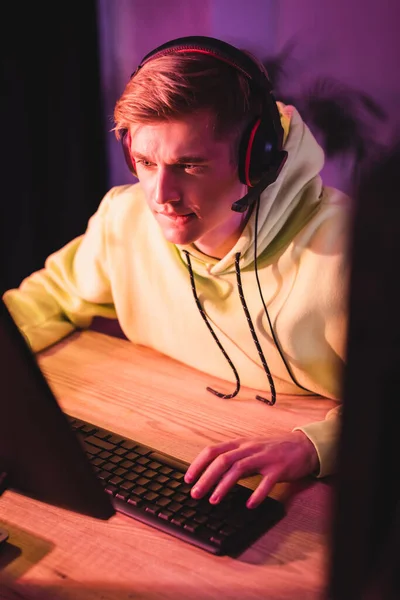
122	267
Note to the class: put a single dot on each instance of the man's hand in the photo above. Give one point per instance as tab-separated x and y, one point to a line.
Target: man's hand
220	466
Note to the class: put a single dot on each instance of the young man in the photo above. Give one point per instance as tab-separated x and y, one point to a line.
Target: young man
260	292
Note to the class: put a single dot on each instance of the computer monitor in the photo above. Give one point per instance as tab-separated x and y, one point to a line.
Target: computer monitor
39	453
366	525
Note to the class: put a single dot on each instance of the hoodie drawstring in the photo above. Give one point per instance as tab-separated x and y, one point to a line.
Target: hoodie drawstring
220	346
254	336
272	401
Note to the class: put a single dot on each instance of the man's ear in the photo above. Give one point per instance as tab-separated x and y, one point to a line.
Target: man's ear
126	146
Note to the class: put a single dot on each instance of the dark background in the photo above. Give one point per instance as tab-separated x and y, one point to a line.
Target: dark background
54	170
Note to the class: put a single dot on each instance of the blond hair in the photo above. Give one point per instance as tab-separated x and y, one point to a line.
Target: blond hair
175	85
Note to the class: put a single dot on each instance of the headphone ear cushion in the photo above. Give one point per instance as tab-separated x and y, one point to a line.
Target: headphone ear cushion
126	147
258	147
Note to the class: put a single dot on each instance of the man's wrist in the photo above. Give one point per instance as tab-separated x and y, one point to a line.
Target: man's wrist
311	452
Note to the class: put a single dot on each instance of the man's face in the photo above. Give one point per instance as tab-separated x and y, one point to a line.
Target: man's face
190	181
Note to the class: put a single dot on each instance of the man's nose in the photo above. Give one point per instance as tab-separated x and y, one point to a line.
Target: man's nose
166	189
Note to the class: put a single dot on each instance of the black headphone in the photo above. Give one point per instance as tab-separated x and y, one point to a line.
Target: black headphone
261	157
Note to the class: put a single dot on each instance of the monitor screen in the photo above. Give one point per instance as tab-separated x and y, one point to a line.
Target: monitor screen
39	453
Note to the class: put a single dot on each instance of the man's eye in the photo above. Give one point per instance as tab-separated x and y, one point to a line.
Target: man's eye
144	163
192	168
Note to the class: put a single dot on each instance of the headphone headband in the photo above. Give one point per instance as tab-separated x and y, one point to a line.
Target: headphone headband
213	47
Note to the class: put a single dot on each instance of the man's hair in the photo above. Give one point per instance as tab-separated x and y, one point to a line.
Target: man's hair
170	87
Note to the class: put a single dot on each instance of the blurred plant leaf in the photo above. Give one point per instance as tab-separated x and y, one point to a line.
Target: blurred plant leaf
343	116
278	64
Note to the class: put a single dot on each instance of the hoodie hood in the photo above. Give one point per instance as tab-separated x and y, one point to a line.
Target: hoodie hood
296	193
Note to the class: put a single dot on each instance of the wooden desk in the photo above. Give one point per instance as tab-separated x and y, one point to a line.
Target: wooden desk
54	554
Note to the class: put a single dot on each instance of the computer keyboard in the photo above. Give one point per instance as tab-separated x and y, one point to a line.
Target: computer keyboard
149	486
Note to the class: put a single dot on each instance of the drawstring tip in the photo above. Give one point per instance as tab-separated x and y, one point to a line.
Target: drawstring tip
266	401
224	396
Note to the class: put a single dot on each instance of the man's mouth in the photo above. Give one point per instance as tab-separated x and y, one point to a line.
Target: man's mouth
179	219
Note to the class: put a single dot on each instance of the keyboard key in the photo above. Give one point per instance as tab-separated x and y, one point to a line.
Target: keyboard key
154	465
173	484
143	450
154	486
99	443
139	469
104	475
116	439
127	485
228	530
167	460
165	470
115	480
120	451
102	434
217	539
176	520
128	444
175	506
151	496
162	478
142	481
164	502
167	492
177	497
122	495
88	429
191	526
105	454
132	456
149	473
90	449
109	466
134	500
152	509
120	472
165	514
201	519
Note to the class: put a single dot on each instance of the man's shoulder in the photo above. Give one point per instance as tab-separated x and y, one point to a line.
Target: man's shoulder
125	193
121	199
329	229
334	211
333	197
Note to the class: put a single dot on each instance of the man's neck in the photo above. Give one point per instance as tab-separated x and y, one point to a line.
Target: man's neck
217	245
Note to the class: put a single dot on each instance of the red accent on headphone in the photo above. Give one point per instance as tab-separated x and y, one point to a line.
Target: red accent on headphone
248	153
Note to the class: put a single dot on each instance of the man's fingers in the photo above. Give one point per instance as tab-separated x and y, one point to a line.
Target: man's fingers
240	468
216	470
262	490
205	458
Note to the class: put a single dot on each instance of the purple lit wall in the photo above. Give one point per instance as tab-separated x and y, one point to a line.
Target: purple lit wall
357	43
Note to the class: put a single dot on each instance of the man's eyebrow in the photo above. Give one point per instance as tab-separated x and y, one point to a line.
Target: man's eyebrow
192	158
182	160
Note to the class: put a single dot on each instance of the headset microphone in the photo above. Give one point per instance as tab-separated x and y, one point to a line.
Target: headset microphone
270	176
